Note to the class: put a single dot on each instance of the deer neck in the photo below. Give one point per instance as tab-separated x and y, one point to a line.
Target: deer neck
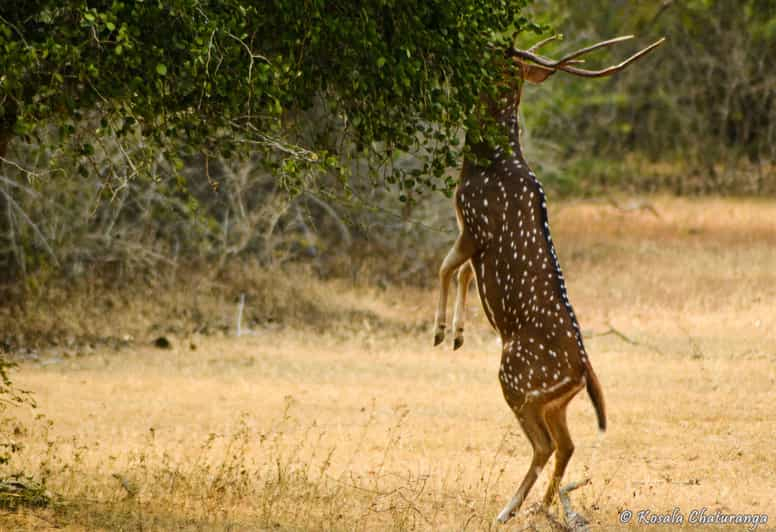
487	155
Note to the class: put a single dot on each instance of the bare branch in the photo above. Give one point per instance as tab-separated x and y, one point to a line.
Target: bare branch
347	239
17	30
16	165
36	230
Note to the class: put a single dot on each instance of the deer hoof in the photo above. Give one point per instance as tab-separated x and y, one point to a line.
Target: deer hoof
458	342
504	516
439	338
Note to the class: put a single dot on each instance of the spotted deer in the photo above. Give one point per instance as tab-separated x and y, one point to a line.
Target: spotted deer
505	245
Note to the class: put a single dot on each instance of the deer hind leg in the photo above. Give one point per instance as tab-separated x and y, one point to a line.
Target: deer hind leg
465	276
532	421
462	251
559	431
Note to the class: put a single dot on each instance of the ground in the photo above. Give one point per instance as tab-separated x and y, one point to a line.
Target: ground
366	426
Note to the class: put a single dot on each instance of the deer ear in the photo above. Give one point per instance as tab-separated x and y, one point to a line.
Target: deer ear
536	73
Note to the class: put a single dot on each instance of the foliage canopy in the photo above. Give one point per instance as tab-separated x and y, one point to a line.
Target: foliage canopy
227	77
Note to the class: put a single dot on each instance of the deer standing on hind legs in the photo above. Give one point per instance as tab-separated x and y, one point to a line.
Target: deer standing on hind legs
505	244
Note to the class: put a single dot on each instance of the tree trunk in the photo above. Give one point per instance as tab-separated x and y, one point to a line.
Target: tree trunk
4	138
7	122
6	134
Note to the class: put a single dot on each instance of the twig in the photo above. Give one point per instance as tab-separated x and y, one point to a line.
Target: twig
354	200
248	49
665	5
17	30
309	235
213	184
126	484
696	348
629	207
16	165
261	139
12	183
574	485
625	338
240	308
634	206
207	68
348	240
253	56
618	334
18	251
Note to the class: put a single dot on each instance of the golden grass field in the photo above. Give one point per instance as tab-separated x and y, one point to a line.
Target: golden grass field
365	426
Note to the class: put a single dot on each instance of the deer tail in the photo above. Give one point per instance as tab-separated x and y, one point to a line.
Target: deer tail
596	396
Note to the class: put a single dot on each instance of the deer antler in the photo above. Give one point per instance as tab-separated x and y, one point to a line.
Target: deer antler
545	41
565	62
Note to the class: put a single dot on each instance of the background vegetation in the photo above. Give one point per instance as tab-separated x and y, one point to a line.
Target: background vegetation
698	118
139	136
120	112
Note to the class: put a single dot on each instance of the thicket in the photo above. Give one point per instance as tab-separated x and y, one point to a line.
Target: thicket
698	117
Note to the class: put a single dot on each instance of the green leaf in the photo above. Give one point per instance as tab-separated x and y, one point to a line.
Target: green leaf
161	69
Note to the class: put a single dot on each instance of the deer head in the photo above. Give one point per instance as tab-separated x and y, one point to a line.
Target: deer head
529	66
535	68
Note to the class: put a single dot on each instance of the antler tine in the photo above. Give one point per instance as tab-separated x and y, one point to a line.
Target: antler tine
528	54
545	41
595	46
612	69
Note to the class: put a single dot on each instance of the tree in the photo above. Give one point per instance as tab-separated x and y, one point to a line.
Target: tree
226	77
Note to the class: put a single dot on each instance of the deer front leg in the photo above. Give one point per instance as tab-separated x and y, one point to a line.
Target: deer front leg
465	276
462	250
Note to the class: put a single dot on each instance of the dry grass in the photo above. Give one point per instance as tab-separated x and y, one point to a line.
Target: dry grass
297	429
